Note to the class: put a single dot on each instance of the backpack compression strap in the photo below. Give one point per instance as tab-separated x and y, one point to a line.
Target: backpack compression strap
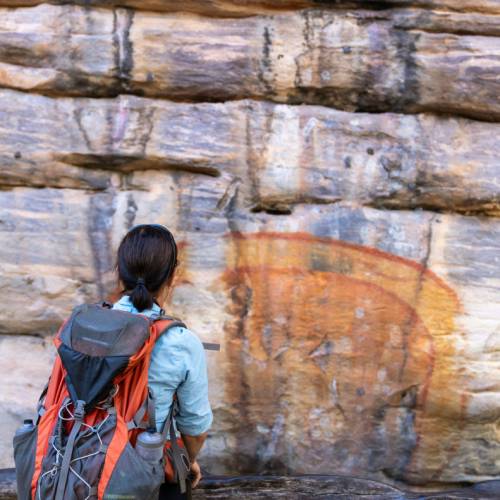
180	460
79	413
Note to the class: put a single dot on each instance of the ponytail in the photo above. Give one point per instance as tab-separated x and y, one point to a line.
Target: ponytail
141	297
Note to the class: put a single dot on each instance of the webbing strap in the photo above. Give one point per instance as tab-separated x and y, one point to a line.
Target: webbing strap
170	418
151	409
181	467
149	405
68	452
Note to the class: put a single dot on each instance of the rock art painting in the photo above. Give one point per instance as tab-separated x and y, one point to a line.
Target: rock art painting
340	356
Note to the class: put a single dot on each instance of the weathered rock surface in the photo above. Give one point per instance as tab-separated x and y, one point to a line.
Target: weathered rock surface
346	259
239	8
342	357
339	487
280	155
26	363
351	60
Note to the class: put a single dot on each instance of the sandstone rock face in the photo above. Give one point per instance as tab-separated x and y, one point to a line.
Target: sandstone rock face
352	60
332	178
237	8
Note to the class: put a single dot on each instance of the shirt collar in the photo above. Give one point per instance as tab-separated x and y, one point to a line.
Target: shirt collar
125	303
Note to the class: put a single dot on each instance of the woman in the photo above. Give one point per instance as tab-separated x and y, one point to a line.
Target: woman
146	263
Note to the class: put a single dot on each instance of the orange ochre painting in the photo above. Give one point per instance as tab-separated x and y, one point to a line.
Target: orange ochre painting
341	359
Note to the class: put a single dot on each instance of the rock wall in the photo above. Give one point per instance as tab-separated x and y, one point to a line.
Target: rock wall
331	172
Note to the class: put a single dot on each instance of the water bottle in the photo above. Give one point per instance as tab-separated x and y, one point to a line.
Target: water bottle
149	445
26	427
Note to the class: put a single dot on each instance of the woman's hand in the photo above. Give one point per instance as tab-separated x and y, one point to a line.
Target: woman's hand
193	445
195	474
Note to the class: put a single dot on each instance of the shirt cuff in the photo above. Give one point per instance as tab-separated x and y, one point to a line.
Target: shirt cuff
202	425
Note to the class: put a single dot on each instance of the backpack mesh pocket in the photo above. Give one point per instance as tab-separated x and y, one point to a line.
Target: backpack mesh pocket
86	464
135	478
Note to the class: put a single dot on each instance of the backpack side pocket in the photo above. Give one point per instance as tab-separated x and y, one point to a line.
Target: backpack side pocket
134	477
24	458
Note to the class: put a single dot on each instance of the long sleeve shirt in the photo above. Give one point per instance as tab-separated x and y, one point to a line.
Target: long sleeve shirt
177	365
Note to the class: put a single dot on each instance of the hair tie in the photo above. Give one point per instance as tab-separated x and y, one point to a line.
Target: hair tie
140	281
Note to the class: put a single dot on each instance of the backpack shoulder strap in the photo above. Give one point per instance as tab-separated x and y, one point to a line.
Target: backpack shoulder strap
164	323
171	322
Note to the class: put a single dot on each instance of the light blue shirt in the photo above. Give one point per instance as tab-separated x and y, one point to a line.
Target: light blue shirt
177	364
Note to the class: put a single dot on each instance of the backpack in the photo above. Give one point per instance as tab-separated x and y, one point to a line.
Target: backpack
95	404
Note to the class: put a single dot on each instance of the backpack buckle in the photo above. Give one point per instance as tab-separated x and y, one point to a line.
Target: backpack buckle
79	410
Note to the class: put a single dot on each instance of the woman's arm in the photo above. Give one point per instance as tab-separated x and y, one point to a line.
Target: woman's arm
178	365
195	415
194	444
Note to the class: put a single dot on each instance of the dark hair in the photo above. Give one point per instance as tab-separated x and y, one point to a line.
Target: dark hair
146	260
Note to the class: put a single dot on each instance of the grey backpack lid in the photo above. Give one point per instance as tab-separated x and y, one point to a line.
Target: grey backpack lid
96	345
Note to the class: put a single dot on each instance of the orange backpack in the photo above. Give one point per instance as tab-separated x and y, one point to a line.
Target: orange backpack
94	406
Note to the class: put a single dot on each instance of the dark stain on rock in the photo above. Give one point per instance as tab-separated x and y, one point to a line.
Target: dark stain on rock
127	59
78	119
16	49
145	127
407	95
116	43
265	70
347	162
407	443
266	49
240	389
101	211
391	164
123	48
272	209
302	94
131	211
77	83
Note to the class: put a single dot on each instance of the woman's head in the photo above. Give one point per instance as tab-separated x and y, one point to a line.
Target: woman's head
146	261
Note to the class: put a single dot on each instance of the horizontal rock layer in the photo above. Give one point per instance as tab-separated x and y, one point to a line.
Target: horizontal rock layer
239	8
278	156
351	60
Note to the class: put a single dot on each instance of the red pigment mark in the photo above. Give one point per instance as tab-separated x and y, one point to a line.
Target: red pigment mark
375	252
366	311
